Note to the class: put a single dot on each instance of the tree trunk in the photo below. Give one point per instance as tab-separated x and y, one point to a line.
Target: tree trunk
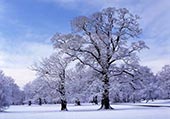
63	105
63	101
40	101
63	92
105	102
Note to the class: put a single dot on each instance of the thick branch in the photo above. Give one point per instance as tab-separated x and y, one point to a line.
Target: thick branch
85	63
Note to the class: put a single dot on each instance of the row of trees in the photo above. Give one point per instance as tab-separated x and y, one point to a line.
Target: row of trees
84	85
98	58
10	93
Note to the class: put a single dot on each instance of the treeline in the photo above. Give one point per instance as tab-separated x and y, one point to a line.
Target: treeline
84	85
10	93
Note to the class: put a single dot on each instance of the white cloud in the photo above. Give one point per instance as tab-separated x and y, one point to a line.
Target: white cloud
21	76
17	60
27	53
156	64
157	56
1	59
19	53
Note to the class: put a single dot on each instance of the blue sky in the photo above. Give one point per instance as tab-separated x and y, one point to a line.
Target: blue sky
26	27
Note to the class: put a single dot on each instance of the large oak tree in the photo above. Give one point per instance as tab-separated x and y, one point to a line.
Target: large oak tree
103	41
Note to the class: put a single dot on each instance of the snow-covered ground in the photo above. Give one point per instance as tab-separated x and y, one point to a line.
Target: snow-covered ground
88	111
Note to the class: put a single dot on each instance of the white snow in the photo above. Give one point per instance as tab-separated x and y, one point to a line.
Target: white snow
88	111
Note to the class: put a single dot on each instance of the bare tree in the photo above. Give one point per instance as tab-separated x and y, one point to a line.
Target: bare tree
164	81
9	92
100	42
53	69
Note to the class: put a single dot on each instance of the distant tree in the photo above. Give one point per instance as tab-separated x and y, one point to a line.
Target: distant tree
17	96
142	86
95	101
149	84
5	91
39	88
84	84
9	92
29	103
164	81
77	102
40	101
100	42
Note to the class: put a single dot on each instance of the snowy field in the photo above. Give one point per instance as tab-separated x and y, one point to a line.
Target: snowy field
152	110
